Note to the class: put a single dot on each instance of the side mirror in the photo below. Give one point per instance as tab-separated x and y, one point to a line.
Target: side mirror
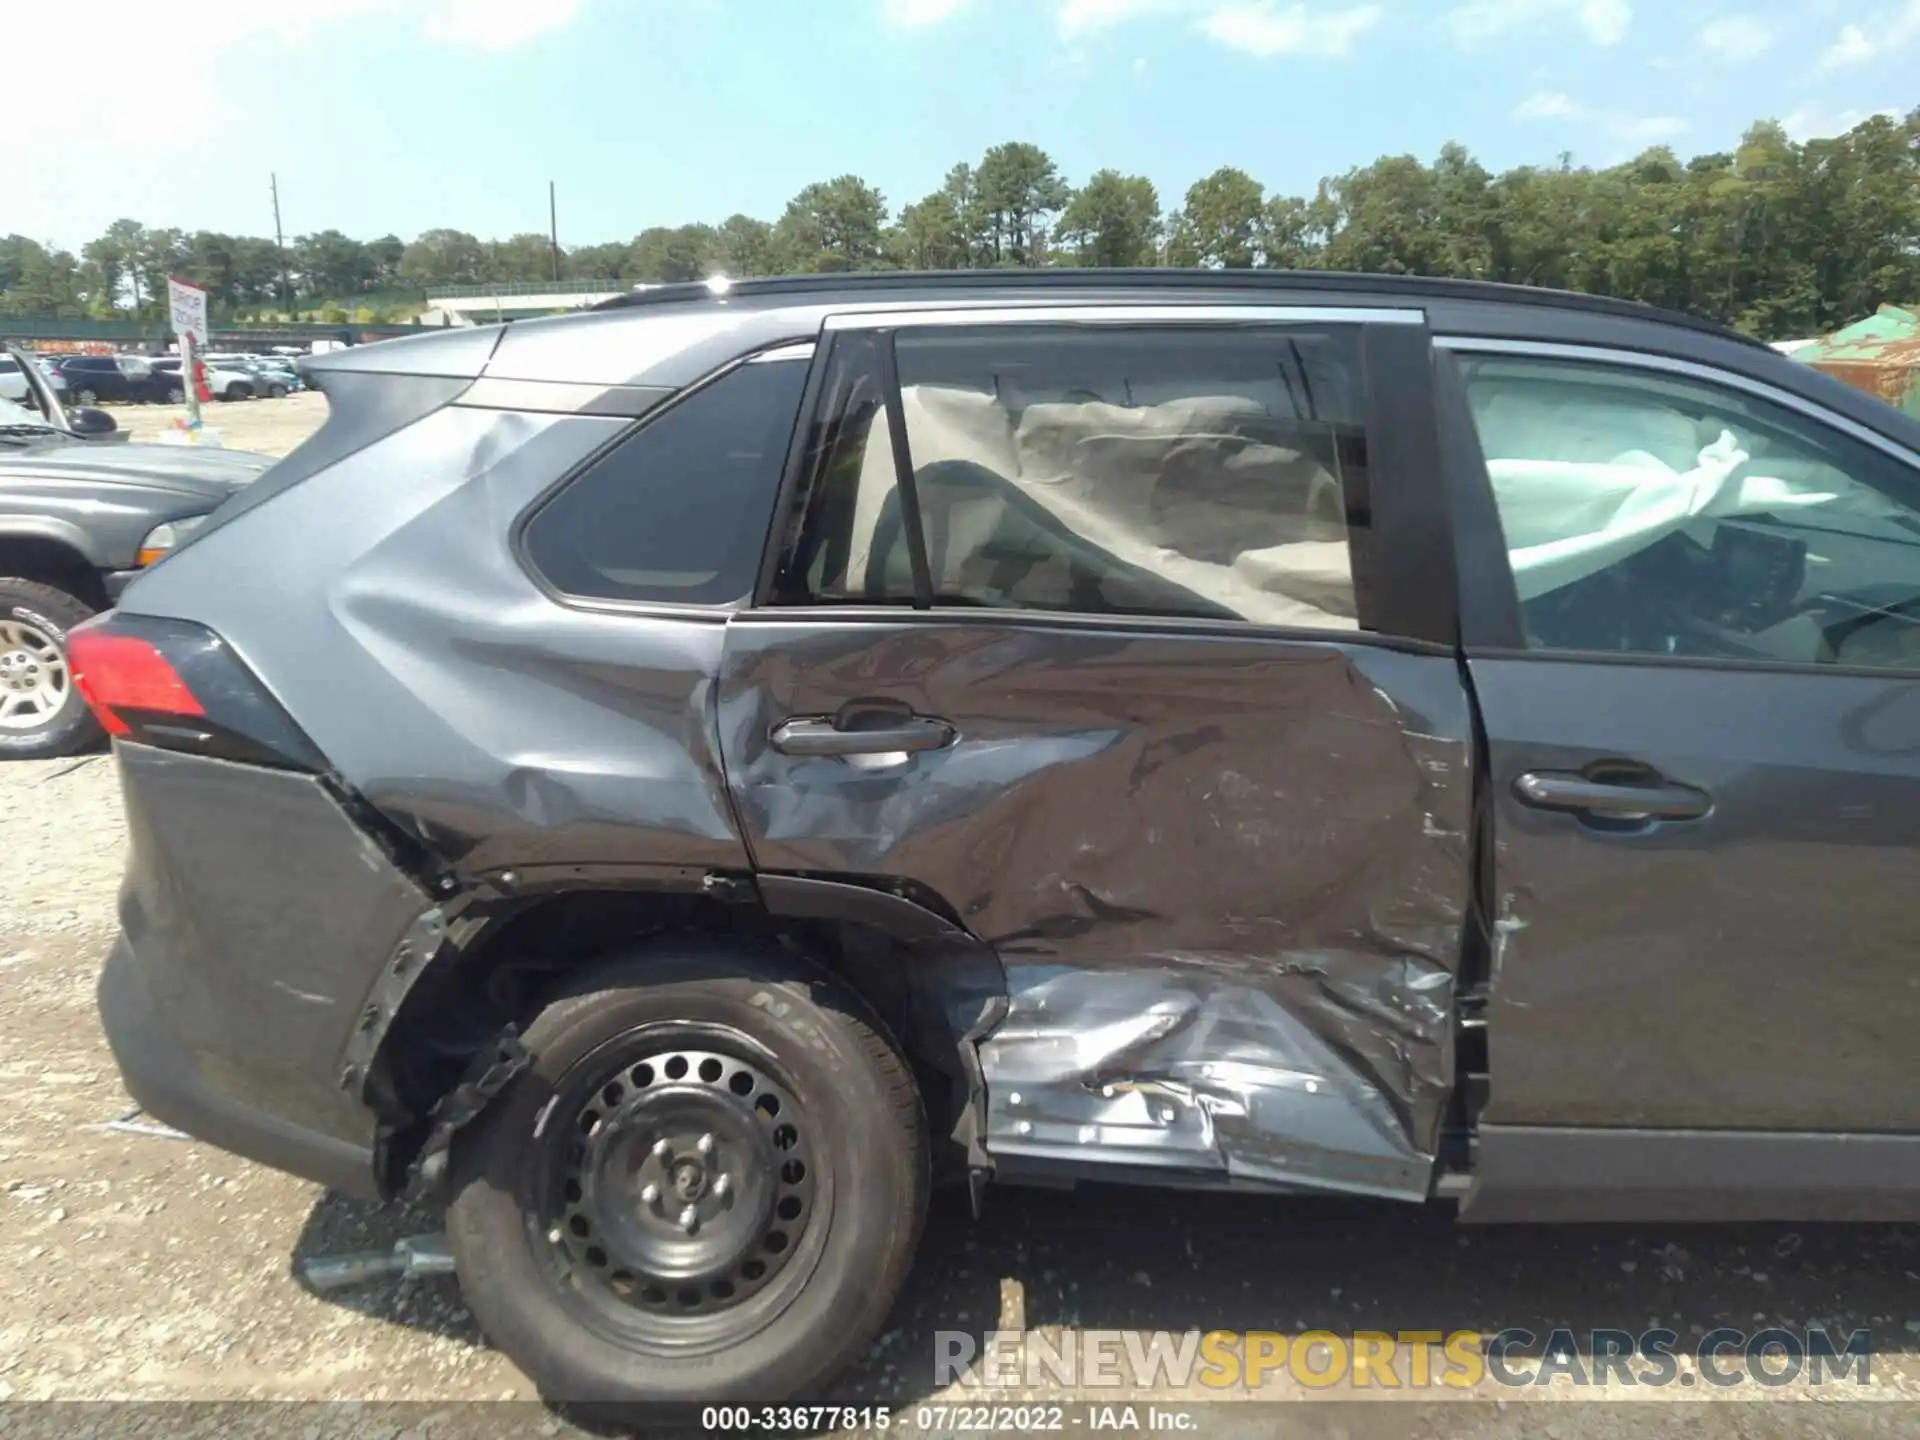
88	424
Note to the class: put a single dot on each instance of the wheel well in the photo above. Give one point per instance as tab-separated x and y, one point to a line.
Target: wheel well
55	563
470	994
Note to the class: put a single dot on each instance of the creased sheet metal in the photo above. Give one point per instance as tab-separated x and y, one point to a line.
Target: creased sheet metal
1225	876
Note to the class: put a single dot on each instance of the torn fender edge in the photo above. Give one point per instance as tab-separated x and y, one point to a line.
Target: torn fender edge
490	1072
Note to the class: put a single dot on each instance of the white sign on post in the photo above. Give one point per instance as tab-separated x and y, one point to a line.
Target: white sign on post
188	304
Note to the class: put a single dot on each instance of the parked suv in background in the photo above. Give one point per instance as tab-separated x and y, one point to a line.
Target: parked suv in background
99	379
81	513
673	779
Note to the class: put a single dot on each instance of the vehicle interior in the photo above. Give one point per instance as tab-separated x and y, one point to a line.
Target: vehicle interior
1646	515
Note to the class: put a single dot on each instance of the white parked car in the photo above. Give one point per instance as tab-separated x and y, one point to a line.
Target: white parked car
225	381
13	384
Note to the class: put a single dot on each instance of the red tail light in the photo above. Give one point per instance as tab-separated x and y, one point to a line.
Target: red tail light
123	672
179	686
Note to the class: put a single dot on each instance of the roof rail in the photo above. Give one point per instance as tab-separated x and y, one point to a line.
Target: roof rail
1424	286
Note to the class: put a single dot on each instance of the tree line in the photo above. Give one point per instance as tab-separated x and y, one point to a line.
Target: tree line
1778	237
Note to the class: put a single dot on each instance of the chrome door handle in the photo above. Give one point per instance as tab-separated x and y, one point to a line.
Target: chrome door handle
1545	790
811	736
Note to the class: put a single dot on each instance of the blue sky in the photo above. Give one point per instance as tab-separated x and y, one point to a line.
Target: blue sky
400	115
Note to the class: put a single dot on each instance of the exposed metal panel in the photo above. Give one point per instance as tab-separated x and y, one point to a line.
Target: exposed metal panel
1189	851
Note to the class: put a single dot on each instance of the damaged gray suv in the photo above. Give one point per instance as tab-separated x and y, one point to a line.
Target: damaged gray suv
673	783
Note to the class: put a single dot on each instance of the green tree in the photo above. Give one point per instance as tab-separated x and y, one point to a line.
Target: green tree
383	261
1113	219
931	235
443	257
331	264
596	262
1220	225
743	246
668	255
36	279
1014	193
833	225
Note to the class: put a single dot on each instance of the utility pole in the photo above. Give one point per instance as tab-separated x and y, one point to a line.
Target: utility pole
280	246
553	224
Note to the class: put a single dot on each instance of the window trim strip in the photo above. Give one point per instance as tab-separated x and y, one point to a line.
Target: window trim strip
903	481
947	316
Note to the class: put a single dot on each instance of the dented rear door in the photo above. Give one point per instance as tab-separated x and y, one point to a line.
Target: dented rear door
1146	675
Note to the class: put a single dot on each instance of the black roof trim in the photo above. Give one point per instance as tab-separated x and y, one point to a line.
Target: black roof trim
1420	287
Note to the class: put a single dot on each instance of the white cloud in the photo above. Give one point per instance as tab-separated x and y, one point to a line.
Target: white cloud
1259	27
1079	18
1850	48
1255	27
497	24
1547	105
155	107
1604	22
1891	30
1627	132
1640	131
1737	39
1813	122
918	14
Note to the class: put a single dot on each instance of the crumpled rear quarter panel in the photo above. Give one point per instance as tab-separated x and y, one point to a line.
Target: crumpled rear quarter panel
382	603
1226	877
259	914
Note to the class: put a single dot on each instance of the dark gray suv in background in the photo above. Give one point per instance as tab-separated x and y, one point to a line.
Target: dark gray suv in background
676	781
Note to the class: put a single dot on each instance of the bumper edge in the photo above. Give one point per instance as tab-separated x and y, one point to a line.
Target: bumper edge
161	1076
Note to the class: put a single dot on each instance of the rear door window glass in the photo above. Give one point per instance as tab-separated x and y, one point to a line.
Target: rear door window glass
1165	471
676	512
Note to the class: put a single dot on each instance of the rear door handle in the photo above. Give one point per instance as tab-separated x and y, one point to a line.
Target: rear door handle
804	735
1545	790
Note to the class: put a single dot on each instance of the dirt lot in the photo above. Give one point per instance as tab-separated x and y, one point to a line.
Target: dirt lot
271	427
144	1268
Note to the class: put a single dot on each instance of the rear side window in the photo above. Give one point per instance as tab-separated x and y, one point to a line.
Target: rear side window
677	512
1166	471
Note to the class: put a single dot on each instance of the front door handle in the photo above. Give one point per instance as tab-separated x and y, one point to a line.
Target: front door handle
812	735
1615	800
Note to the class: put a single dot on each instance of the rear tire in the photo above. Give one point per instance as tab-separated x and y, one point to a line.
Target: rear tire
41	712
595	1240
236	391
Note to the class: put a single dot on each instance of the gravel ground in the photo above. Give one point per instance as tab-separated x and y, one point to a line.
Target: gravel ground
269	427
143	1269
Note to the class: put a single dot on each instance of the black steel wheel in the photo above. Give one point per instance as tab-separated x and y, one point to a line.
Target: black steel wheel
708	1185
686	1187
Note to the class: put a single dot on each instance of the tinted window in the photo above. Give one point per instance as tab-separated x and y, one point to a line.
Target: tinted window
1655	515
677	511
1175	472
